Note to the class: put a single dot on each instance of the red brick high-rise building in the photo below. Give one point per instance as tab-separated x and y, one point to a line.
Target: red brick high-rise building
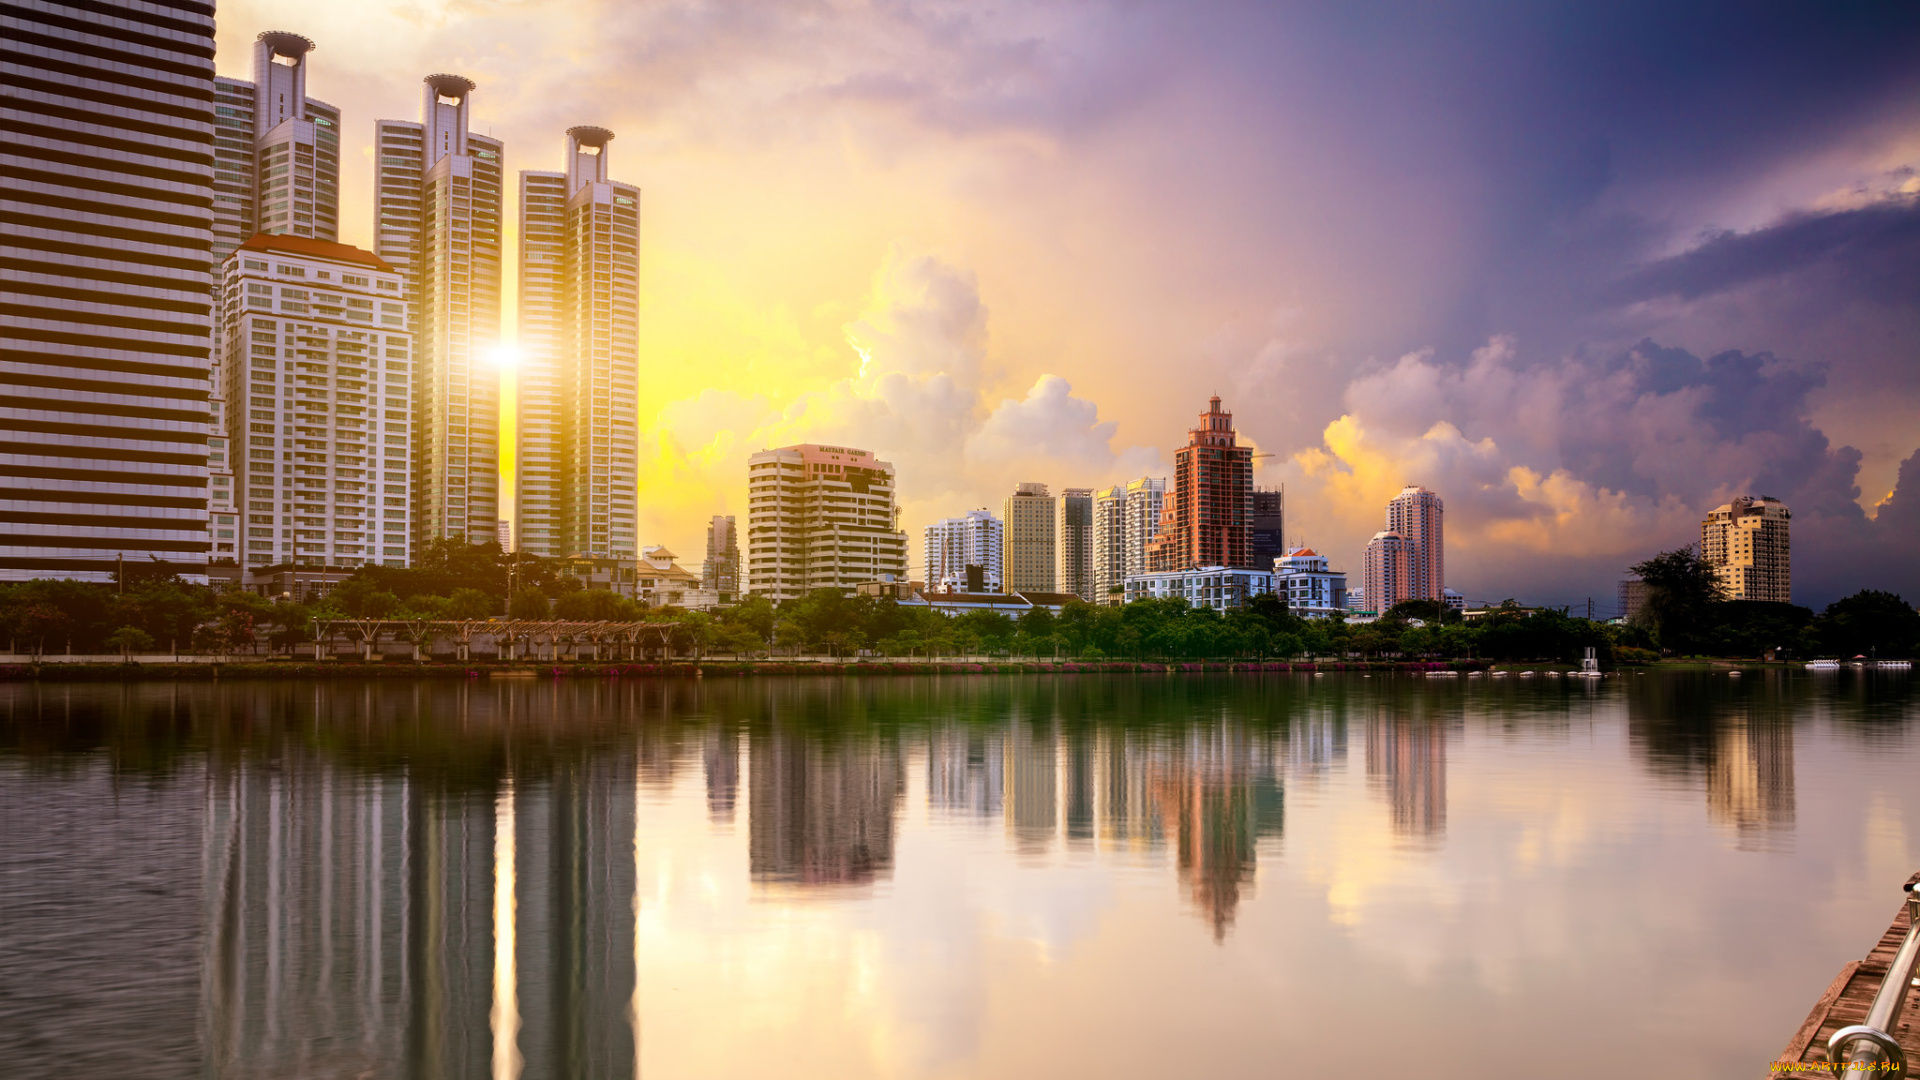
1211	519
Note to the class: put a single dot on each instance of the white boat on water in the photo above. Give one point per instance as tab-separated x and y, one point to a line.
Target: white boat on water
1823	665
1895	665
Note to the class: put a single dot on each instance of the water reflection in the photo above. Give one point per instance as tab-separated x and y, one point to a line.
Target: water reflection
1407	759
820	810
1750	780
451	879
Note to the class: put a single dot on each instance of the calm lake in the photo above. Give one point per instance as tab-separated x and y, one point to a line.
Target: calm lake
961	876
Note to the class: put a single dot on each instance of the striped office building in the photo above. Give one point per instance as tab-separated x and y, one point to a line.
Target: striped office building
106	185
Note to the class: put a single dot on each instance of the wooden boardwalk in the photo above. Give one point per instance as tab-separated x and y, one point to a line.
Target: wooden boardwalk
1846	1002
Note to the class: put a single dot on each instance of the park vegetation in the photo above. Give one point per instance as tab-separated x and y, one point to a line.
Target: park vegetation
1684	616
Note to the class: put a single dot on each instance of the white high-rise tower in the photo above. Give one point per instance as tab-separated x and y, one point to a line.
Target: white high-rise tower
579	336
437	220
276	151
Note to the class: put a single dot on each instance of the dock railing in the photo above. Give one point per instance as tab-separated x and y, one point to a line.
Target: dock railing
1870	1046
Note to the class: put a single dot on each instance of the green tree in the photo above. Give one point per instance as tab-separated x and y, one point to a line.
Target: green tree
363	598
293	624
529	604
470	604
1682	589
755	615
596	605
129	639
1868	623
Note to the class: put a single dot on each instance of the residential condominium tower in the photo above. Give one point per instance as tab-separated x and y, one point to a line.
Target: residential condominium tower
1212	493
316	367
276	151
1029	514
1073	542
577	414
1746	543
437	221
966	554
1125	517
1418	516
106	230
820	517
1386	574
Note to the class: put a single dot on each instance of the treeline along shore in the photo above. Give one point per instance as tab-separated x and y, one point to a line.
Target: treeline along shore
470	604
294	670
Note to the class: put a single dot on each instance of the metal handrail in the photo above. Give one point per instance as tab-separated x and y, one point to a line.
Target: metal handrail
1869	1046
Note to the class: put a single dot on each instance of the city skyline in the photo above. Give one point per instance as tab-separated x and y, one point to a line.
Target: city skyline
922	339
1623	338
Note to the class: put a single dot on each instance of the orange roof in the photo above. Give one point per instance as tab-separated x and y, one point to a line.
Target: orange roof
1304	551
316	249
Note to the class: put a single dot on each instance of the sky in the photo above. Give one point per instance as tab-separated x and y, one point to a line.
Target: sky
1586	270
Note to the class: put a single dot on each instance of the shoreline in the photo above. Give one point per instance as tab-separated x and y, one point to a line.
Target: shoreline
209	671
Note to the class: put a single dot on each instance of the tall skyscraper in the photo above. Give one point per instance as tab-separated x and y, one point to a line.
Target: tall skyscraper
1746	543
1267	540
1418	516
577	416
276	151
437	200
1029	517
315	369
721	572
1125	517
1212	496
1386	571
106	227
966	554
820	517
1073	542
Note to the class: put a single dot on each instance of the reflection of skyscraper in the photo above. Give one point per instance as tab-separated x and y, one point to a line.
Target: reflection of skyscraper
1077	777
574	917
820	814
1410	759
349	924
965	772
1032	787
723	772
1750	780
119	998
1124	813
1316	745
1217	796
